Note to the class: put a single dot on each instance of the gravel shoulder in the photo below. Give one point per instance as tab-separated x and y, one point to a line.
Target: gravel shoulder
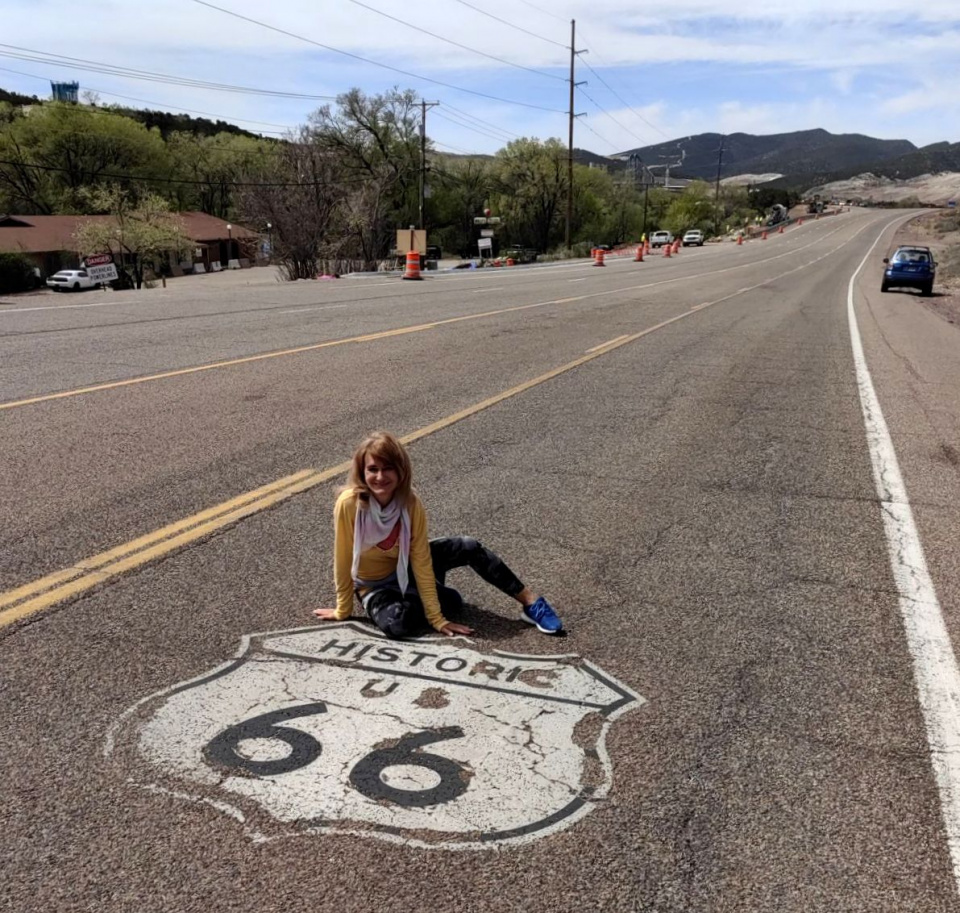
939	231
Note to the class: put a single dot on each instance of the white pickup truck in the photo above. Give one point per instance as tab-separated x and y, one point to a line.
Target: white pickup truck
659	238
693	238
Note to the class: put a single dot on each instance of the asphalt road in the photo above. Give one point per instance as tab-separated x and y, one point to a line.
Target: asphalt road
689	480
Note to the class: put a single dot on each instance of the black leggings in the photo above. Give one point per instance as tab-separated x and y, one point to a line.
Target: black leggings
402	615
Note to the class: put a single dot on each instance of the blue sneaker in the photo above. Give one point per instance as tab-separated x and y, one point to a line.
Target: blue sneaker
542	615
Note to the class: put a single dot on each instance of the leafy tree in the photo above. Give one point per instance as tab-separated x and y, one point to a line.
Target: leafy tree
142	233
462	190
531	191
375	141
216	164
692	208
59	150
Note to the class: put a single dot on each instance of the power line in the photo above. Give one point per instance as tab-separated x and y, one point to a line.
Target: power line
163	105
484	123
602	139
623	102
603	110
147	180
456	44
468	126
477	9
376	63
545	12
454	148
79	63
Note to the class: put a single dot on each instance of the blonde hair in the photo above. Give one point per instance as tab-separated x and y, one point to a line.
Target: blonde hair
386	448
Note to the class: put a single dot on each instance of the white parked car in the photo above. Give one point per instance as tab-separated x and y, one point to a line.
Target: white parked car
73	279
693	238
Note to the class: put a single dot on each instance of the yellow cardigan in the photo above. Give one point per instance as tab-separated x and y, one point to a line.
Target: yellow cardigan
377	563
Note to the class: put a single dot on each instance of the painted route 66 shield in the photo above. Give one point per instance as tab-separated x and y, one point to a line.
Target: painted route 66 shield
336	729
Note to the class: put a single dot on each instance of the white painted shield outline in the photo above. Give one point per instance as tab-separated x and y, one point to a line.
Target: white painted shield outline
559	820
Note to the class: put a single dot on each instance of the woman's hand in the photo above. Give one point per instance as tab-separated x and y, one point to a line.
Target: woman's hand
326	614
452	630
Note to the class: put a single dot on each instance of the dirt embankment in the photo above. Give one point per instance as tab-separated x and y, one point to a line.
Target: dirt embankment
940	231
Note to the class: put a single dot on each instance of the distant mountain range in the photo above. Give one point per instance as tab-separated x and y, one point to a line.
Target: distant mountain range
803	158
801	152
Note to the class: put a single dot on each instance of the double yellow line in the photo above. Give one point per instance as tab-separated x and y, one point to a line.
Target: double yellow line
33	597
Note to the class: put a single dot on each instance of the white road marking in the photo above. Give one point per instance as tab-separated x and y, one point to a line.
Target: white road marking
584	279
322	307
335	729
483	291
934	662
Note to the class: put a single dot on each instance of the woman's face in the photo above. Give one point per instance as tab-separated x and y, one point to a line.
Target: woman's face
381	479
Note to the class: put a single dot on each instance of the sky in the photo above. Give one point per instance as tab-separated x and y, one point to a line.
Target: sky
653	71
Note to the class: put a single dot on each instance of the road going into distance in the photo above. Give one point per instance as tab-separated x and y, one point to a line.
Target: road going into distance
735	473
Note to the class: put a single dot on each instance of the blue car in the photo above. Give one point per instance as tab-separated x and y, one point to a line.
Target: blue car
910	267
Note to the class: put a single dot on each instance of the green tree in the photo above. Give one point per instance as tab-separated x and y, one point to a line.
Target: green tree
531	191
462	189
141	234
692	208
217	164
56	151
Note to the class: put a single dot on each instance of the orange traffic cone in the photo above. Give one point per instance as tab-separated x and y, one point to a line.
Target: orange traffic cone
598	257
763	236
666	249
639	257
799	221
676	246
740	240
413	266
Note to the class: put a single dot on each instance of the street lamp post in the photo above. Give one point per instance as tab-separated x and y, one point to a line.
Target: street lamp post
229	242
269	241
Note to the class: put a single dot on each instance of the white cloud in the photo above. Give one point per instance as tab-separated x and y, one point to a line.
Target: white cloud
809	46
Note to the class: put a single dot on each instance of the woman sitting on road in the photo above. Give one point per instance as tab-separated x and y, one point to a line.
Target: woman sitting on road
381	535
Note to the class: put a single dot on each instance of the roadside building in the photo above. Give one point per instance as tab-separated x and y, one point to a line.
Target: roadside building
50	243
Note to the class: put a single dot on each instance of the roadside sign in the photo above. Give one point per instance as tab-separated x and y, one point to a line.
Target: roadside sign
105	273
486	232
338	730
410	239
98	259
485	244
479	220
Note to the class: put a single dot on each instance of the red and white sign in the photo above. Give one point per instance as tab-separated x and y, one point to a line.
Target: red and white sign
99	259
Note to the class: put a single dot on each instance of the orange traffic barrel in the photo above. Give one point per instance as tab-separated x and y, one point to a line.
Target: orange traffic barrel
598	257
413	266
639	257
667	248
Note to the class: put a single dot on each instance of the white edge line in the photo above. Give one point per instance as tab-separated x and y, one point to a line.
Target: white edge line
934	662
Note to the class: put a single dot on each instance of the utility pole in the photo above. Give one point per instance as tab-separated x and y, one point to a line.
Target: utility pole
423	155
573	85
716	197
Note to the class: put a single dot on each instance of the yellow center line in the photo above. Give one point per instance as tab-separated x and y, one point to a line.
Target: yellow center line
26	600
603	345
33	597
417	328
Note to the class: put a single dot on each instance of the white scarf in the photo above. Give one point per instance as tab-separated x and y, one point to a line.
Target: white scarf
374	524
